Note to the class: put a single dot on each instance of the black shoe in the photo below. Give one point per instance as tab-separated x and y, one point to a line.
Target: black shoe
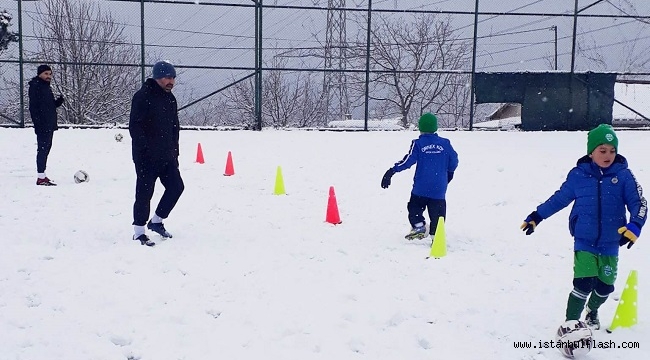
144	240
592	319
158	228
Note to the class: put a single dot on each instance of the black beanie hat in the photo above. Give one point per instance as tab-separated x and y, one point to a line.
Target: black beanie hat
43	68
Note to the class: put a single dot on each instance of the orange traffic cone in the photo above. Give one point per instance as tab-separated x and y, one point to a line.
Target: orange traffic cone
230	169
199	155
332	216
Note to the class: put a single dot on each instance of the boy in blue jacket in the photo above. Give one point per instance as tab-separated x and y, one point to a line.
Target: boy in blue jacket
600	186
436	162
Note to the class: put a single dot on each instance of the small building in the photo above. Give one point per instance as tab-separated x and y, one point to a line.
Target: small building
636	97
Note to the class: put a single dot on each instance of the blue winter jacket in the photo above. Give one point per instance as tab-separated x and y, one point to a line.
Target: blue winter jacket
600	197
435	158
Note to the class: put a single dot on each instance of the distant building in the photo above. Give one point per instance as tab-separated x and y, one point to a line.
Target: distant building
506	117
507	110
636	96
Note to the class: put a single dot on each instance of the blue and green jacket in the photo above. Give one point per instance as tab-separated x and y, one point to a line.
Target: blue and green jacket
600	197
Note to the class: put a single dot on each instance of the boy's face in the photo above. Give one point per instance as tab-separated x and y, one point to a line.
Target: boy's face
603	155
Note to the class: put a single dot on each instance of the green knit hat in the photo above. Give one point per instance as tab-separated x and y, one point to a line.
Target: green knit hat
603	134
428	123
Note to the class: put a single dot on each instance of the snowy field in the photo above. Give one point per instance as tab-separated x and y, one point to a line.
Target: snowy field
252	275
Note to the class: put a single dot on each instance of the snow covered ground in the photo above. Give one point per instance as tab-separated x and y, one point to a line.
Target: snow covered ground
252	275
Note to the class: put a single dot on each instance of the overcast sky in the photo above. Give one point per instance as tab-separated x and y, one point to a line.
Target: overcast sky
208	35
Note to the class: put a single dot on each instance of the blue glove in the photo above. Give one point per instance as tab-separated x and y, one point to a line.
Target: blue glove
450	175
629	234
385	181
531	222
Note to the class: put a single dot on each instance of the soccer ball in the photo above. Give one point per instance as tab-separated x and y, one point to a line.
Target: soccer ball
118	137
574	338
81	176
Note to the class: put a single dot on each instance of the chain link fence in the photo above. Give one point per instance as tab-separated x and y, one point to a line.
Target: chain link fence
306	63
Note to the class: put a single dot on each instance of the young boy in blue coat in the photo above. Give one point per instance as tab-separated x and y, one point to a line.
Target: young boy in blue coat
436	162
600	186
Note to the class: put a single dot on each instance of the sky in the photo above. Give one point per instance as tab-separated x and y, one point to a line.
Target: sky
249	274
202	36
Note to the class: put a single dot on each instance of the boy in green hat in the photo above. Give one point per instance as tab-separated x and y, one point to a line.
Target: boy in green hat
600	186
436	162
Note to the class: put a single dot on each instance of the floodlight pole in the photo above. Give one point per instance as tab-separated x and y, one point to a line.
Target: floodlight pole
142	45
473	76
575	27
258	64
554	28
576	11
367	96
573	46
21	76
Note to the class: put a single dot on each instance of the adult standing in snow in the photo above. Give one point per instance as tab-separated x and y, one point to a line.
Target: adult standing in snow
154	129
600	186
436	162
42	108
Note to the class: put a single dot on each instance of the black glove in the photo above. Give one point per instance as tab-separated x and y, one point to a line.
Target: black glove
531	222
385	181
450	175
59	100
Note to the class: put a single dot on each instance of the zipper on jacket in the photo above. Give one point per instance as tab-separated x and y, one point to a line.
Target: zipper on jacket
600	225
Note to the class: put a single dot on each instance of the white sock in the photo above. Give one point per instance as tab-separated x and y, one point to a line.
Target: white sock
419	224
41	175
156	219
138	230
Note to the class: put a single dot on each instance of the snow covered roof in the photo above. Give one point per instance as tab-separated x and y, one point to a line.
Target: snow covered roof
503	124
376	124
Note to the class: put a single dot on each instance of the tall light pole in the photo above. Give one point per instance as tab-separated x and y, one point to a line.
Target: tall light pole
21	76
576	11
471	89
554	28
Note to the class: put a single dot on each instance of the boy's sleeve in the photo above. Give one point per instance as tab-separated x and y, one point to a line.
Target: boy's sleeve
558	201
409	159
635	202
453	159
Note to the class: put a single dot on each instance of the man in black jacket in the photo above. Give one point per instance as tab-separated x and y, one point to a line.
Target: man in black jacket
42	108
154	130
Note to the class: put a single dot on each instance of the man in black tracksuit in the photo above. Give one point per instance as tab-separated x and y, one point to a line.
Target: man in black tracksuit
42	108
154	130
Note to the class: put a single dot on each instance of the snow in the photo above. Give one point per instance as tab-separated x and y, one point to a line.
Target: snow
500	124
252	275
633	95
358	124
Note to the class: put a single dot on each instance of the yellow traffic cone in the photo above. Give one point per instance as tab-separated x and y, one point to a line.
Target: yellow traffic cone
626	315
279	183
439	244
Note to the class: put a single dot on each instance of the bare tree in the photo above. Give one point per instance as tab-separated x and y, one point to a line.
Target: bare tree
9	93
6	36
288	99
405	51
85	40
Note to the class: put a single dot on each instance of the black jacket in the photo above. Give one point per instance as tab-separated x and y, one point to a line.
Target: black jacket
42	106
154	125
